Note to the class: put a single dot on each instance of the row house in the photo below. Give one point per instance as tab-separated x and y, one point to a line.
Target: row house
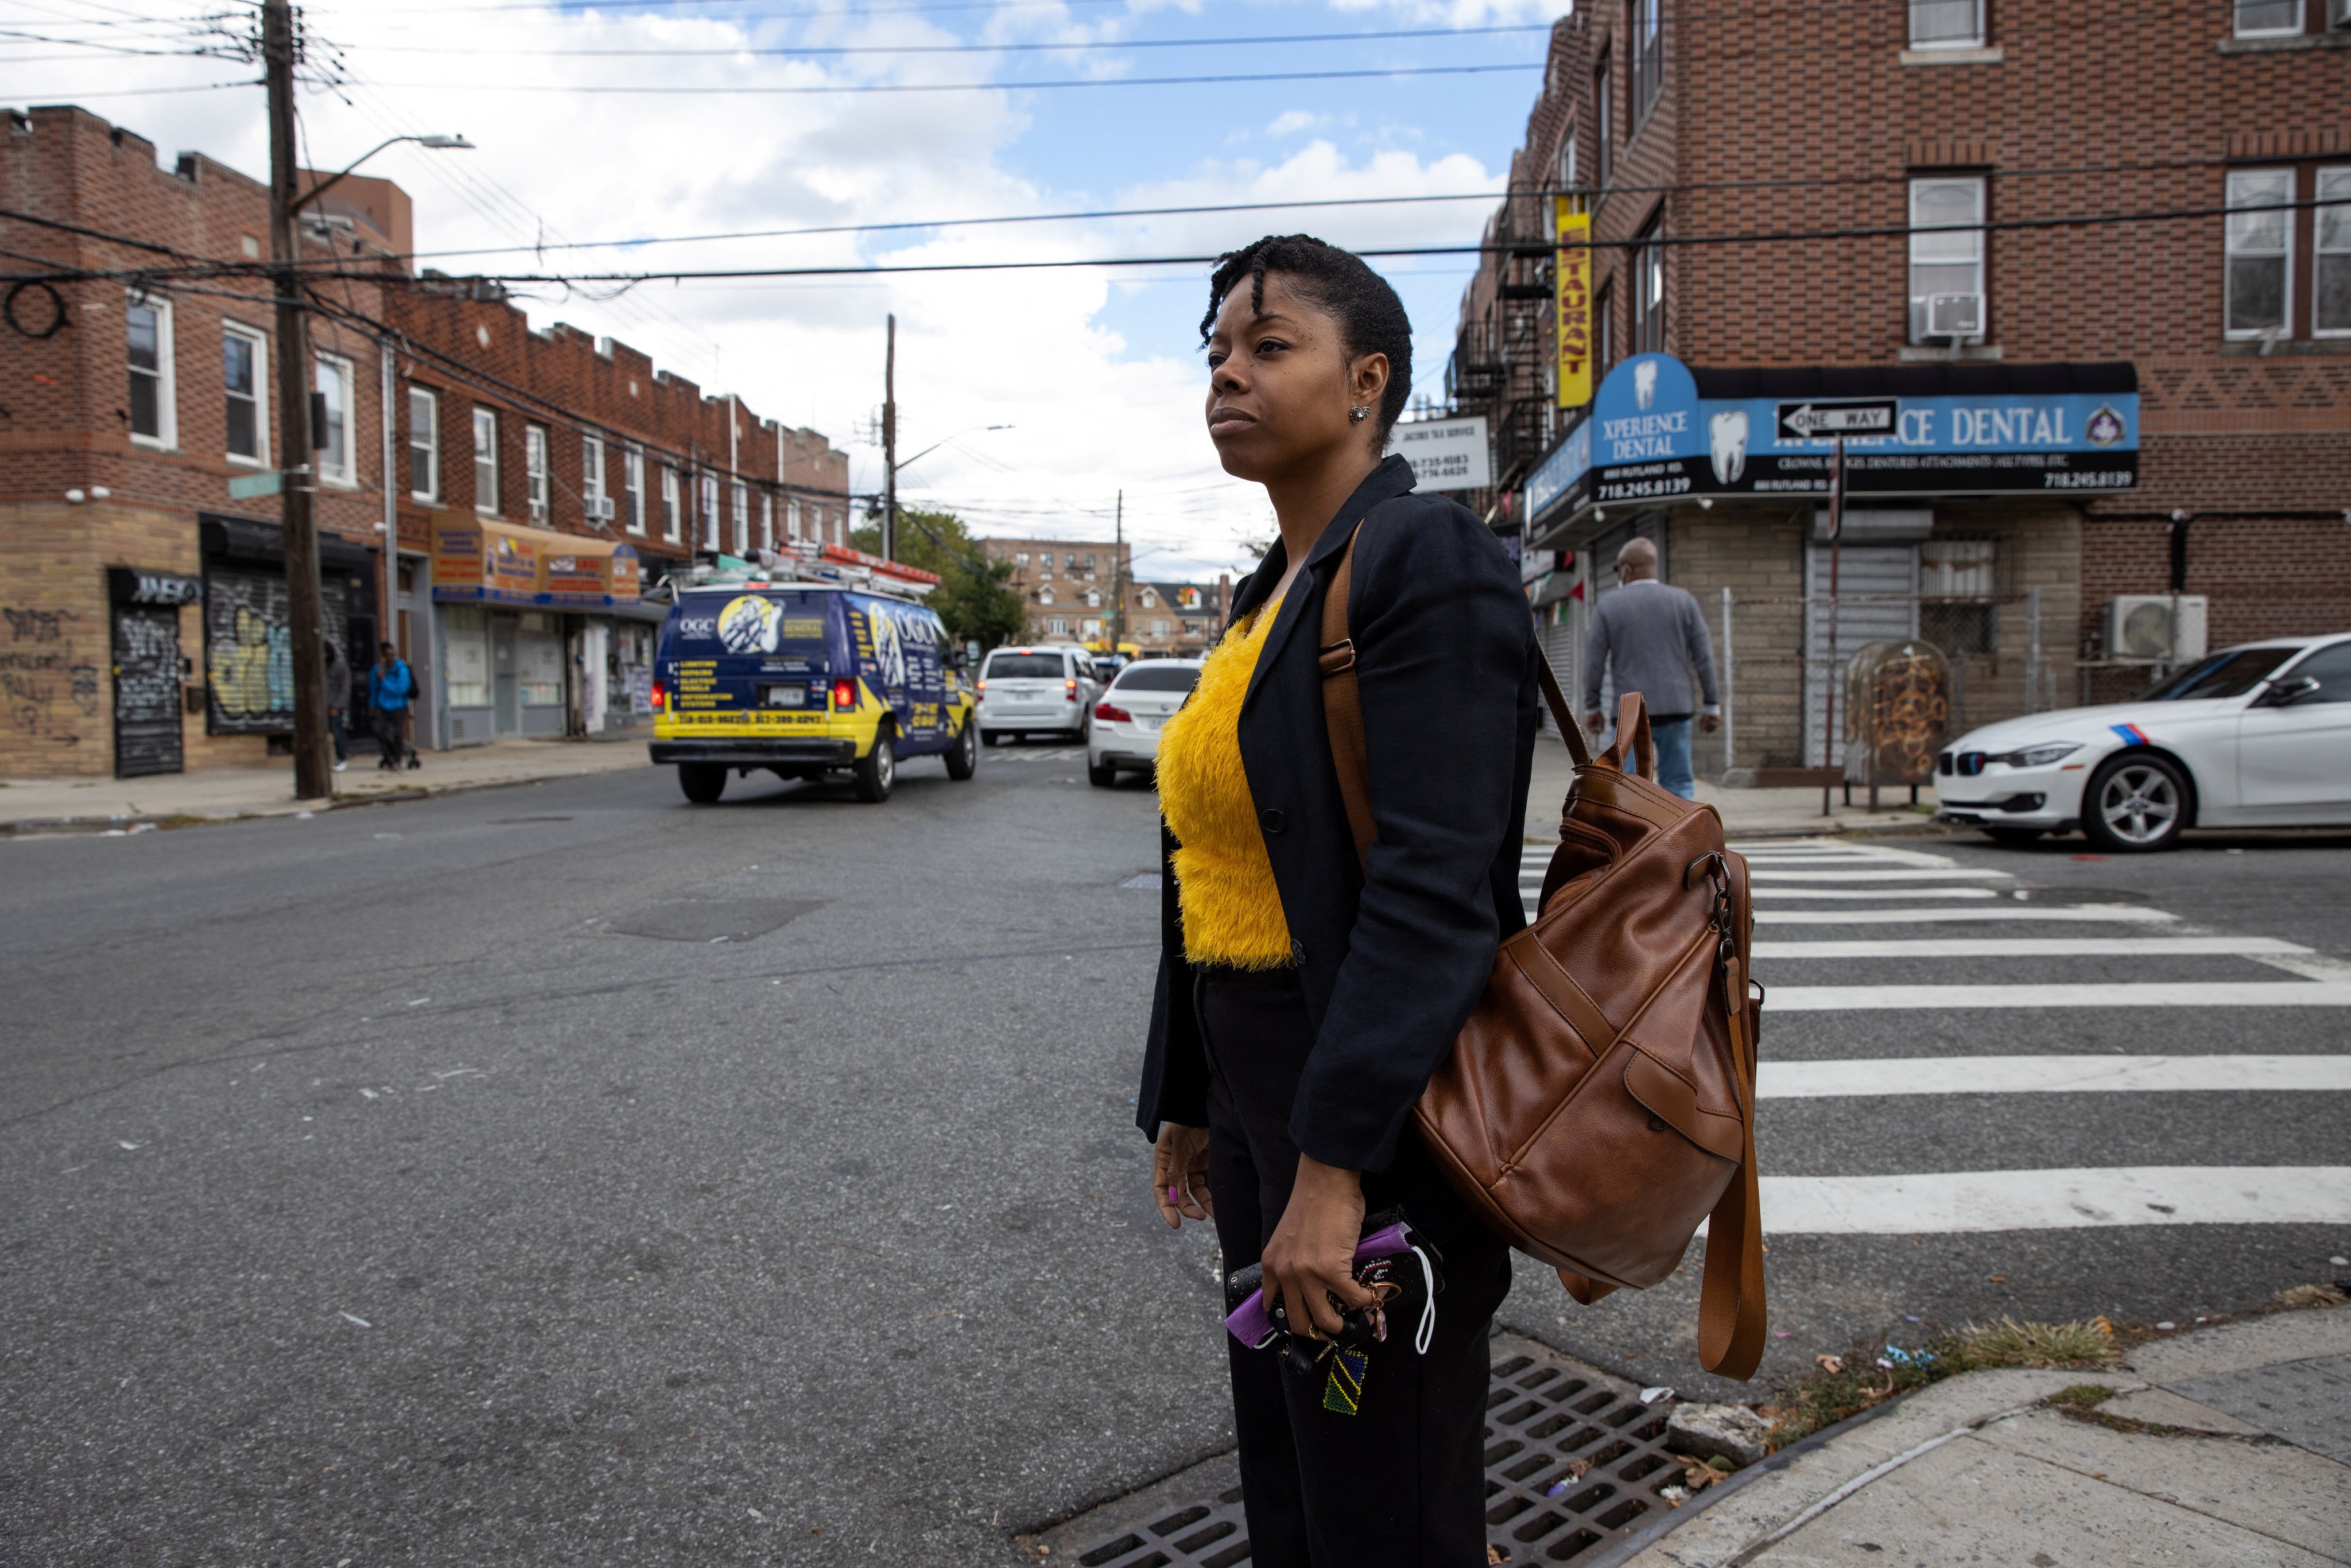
2074	286
490	498
1086	593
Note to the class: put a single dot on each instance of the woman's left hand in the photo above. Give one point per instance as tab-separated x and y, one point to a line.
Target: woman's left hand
1179	1175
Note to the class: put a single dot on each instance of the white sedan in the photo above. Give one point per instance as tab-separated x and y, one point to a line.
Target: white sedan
2254	735
1124	730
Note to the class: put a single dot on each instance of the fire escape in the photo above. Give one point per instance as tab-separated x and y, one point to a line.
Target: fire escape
1502	355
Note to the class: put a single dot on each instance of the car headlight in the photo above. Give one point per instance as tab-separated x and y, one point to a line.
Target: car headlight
2041	755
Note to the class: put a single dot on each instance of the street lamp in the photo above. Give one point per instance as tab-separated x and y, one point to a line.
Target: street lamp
890	490
435	140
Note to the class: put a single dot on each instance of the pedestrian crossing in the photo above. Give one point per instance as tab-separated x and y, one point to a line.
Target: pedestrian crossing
2006	961
1032	754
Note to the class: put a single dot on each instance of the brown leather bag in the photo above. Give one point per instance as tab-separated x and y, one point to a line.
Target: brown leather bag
1600	1102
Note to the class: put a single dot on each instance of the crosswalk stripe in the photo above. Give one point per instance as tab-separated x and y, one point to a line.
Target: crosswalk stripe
1947	1201
2115	994
1783	893
2028	947
1880	1075
1907	874
2062	913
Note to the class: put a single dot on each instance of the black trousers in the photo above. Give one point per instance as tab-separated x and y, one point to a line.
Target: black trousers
1402	1481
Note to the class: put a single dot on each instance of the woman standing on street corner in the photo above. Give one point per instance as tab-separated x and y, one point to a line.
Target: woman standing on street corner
1304	997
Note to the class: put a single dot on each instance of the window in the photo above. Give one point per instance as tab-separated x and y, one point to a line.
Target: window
633	489
2330	284
1093	599
244	383
1649	56
1947	23
669	503
154	413
2331	668
2268	18
1021	558
2260	233
1090	563
1069	564
1603	125
423	445
1057	628
1604	330
767	519
1567	159
333	437
485	462
1045	594
792	519
739	504
710	511
1649	291
534	470
1947	254
592	476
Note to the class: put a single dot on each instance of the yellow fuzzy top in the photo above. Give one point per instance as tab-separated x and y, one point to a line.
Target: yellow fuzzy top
1224	882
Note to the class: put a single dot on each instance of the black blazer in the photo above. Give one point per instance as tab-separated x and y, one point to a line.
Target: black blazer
1392	954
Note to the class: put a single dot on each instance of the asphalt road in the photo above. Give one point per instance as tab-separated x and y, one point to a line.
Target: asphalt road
564	1174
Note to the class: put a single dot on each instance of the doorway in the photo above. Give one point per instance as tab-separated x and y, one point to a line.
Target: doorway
508	719
146	690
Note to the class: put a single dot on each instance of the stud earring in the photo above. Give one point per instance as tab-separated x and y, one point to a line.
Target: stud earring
1358	414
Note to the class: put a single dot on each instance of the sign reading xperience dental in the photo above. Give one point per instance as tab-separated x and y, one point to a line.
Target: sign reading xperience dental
1651	436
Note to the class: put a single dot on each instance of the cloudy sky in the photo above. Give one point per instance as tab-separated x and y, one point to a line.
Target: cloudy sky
1097	370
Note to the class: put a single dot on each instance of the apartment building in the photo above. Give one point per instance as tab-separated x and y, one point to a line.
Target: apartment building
1077	590
528	483
2079	269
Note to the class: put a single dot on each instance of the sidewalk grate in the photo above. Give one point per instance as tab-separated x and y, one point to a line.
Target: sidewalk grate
1574	1464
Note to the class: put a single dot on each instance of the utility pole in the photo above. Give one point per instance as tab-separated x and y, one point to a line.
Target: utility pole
296	454
890	444
1118	577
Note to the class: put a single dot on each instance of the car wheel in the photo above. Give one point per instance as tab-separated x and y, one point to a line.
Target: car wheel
1101	775
877	771
2015	837
703	782
963	756
2135	804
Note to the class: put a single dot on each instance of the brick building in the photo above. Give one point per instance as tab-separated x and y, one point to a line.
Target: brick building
146	602
2078	411
1074	592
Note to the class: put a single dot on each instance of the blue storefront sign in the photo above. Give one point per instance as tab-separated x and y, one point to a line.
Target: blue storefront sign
1658	430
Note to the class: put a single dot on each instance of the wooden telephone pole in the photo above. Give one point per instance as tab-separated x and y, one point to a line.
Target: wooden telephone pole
890	444
306	617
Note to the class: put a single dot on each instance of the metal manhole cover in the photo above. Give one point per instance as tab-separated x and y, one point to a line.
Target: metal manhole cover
1574	1464
712	919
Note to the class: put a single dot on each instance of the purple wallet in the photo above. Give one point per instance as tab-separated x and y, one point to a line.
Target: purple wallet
1249	1324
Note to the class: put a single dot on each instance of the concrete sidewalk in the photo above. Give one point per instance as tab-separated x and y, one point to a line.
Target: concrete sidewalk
223	794
2226	1445
1745	813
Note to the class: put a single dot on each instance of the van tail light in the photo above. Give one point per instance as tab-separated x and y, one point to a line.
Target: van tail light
1069	689
844	695
661	698
1112	714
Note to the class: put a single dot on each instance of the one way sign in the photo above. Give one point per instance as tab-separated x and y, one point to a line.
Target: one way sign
1847	416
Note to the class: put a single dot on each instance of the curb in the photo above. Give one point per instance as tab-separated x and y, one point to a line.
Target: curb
153	822
1778	1459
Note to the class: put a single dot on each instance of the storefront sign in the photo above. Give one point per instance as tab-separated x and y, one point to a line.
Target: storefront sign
1572	271
483	561
134	585
1652	436
1446	453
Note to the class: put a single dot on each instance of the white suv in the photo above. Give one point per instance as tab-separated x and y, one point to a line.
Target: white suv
1036	691
1128	719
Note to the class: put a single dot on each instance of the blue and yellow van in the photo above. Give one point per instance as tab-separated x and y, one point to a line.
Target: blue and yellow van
805	679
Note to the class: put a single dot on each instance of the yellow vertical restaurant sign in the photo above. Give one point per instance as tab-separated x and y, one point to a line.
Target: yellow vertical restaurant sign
1574	273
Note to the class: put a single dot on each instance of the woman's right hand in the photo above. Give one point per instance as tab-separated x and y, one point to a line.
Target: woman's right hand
1179	1175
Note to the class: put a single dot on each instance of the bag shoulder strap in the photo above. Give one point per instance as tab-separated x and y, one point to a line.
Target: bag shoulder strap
1343	702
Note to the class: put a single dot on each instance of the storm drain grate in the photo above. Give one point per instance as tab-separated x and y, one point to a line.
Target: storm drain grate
1575	1462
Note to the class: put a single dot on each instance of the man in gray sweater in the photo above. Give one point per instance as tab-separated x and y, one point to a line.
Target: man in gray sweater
1651	639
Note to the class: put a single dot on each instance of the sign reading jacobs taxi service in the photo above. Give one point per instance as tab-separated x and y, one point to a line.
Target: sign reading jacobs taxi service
1446	453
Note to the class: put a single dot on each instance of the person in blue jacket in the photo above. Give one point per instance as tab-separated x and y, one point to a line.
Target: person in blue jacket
391	687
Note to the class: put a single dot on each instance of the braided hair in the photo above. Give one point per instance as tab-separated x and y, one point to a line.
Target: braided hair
1371	318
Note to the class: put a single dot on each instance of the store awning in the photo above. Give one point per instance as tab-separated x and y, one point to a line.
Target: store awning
482	560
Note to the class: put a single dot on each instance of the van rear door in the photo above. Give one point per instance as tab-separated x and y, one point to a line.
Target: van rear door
747	662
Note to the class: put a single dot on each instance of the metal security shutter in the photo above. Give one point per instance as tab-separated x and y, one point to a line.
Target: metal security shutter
1877	601
1560	644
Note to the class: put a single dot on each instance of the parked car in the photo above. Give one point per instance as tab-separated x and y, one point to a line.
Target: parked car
1036	691
2254	735
1124	732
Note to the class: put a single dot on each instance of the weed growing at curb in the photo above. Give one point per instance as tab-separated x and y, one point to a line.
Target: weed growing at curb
1839	1389
2081	1403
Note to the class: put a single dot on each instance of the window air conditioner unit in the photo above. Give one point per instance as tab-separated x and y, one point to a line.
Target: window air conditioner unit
1955	314
2155	628
599	507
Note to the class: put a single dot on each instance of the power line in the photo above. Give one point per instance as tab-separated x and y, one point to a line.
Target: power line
746	51
855	88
